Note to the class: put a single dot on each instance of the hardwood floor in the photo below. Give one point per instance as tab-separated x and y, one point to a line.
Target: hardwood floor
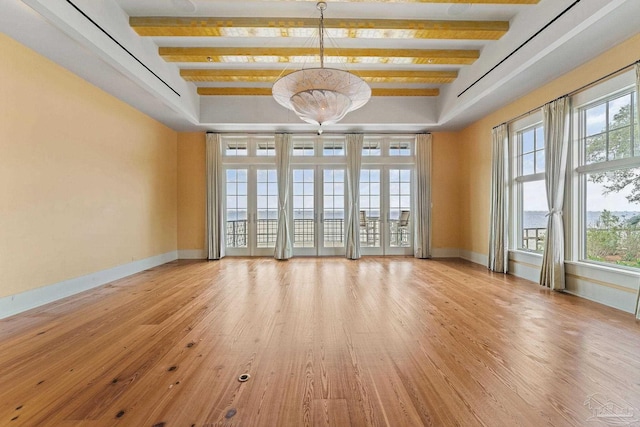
380	341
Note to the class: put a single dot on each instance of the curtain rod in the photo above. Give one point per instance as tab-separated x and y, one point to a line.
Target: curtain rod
573	92
323	133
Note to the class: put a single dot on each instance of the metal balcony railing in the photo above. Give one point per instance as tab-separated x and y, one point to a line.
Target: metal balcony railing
304	233
533	239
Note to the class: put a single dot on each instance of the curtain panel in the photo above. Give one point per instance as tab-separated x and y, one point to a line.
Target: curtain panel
556	138
284	150
353	145
638	302
498	235
422	225
214	242
638	118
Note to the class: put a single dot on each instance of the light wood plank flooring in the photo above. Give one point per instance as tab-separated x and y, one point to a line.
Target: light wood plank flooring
380	341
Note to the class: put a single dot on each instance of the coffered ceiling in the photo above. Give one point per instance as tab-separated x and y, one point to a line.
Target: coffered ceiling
210	64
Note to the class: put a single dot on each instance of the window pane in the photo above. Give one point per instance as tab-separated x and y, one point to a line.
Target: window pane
528	166
333	148
596	119
540	161
596	149
303	148
613	217
266	148
539	138
235	148
400	148
534	215
620	112
371	148
620	143
528	143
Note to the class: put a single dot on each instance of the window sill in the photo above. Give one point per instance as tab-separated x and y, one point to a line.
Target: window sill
604	268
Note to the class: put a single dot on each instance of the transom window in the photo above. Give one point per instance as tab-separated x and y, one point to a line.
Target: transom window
234	148
333	147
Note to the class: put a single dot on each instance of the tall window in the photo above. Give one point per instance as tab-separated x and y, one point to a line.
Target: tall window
609	175
530	188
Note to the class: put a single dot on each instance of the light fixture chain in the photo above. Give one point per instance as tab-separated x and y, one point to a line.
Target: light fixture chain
321	7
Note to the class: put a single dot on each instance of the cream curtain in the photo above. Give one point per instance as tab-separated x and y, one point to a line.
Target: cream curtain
353	147
556	139
498	245
284	245
214	243
638	303
422	223
637	309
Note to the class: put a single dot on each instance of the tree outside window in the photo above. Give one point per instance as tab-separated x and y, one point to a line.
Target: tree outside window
612	175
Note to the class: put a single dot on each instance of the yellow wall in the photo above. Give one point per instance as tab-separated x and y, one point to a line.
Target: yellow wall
86	182
191	190
476	138
445	191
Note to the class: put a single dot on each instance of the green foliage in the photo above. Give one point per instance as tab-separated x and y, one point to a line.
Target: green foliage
618	146
614	241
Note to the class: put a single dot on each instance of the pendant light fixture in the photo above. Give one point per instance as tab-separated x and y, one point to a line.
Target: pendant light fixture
321	95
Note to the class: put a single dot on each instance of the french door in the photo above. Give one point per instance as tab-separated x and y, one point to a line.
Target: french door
318	210
251	211
385	210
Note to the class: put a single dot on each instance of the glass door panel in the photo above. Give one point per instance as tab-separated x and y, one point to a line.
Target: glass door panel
333	214
370	210
399	226
237	237
266	211
304	214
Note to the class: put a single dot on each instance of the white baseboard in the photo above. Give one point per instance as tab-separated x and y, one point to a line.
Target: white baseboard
14	304
191	254
445	253
474	257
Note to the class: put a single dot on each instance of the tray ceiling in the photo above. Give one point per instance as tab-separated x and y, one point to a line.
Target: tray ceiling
245	54
210	64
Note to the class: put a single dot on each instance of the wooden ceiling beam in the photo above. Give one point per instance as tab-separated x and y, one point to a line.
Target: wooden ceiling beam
389	28
283	54
371	76
265	91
